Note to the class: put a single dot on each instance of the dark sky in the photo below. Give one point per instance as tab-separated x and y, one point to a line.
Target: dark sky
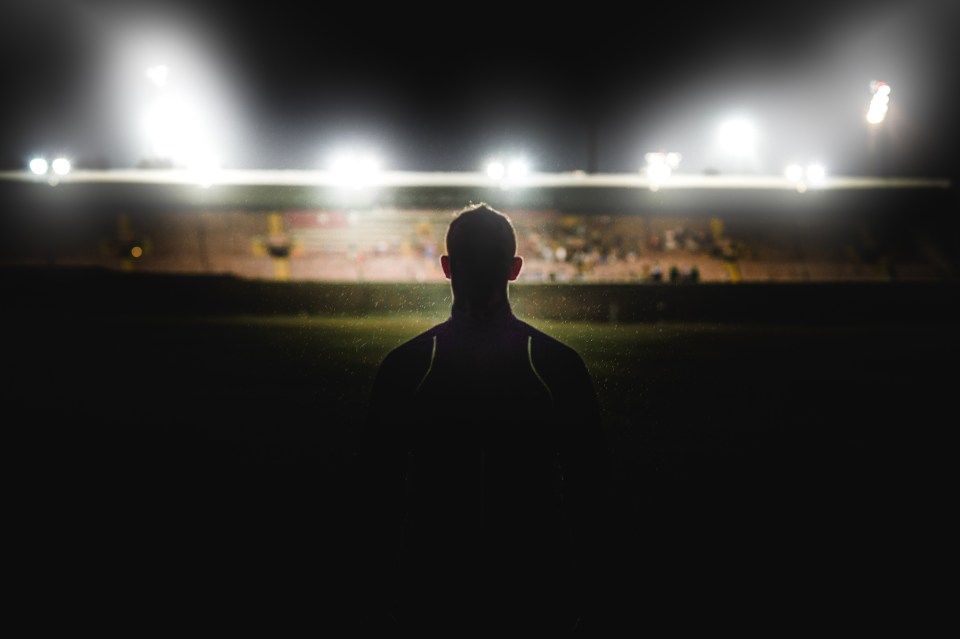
282	84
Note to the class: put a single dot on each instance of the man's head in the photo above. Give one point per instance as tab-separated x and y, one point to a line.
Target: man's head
481	252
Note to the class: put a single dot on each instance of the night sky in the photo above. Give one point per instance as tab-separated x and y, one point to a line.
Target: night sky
283	84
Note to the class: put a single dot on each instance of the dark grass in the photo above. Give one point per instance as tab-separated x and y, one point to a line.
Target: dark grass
768	476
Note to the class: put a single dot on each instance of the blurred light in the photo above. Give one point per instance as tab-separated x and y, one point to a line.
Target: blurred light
816	173
136	251
495	170
663	158
813	174
38	166
61	166
658	174
737	145
510	174
204	168
738	136
879	103
355	170
794	172
660	165
177	131
158	74
169	85
518	168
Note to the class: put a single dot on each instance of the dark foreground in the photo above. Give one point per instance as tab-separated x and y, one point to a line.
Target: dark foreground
181	471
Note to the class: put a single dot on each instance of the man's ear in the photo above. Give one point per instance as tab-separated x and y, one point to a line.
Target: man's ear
445	265
515	267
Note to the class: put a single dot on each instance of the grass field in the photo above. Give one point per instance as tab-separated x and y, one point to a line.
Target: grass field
765	473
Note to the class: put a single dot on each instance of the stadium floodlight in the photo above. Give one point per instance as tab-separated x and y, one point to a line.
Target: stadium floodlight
880	102
737	145
518	168
507	175
738	136
54	169
204	167
816	173
495	170
813	174
170	90
38	166
177	131
60	166
355	169
660	166
794	173
180	118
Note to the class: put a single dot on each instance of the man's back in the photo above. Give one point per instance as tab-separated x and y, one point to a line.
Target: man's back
483	469
497	428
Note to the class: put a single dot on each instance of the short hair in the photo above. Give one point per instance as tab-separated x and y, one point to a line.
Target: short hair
480	238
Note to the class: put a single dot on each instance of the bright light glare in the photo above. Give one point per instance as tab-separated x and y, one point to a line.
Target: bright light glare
177	131
660	166
737	145
816	173
38	166
510	174
658	172
157	74
662	158
518	168
879	104
355	169
794	172
204	168
495	170
170	88
738	136
61	166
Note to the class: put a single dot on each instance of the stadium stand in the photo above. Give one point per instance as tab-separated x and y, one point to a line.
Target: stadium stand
403	245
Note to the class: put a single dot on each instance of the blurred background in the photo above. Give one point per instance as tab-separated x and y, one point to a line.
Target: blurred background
325	149
861	88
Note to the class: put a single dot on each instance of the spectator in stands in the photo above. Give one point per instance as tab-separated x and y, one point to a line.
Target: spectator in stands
484	473
657	273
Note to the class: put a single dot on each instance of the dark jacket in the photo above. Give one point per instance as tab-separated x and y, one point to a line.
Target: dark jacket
485	470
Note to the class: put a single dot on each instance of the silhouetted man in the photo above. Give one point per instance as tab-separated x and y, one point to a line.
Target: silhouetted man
483	467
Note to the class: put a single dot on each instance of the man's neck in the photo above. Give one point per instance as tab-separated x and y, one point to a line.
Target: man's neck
498	306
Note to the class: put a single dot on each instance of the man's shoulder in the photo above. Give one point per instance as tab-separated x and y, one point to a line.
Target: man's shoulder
548	344
407	360
414	346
